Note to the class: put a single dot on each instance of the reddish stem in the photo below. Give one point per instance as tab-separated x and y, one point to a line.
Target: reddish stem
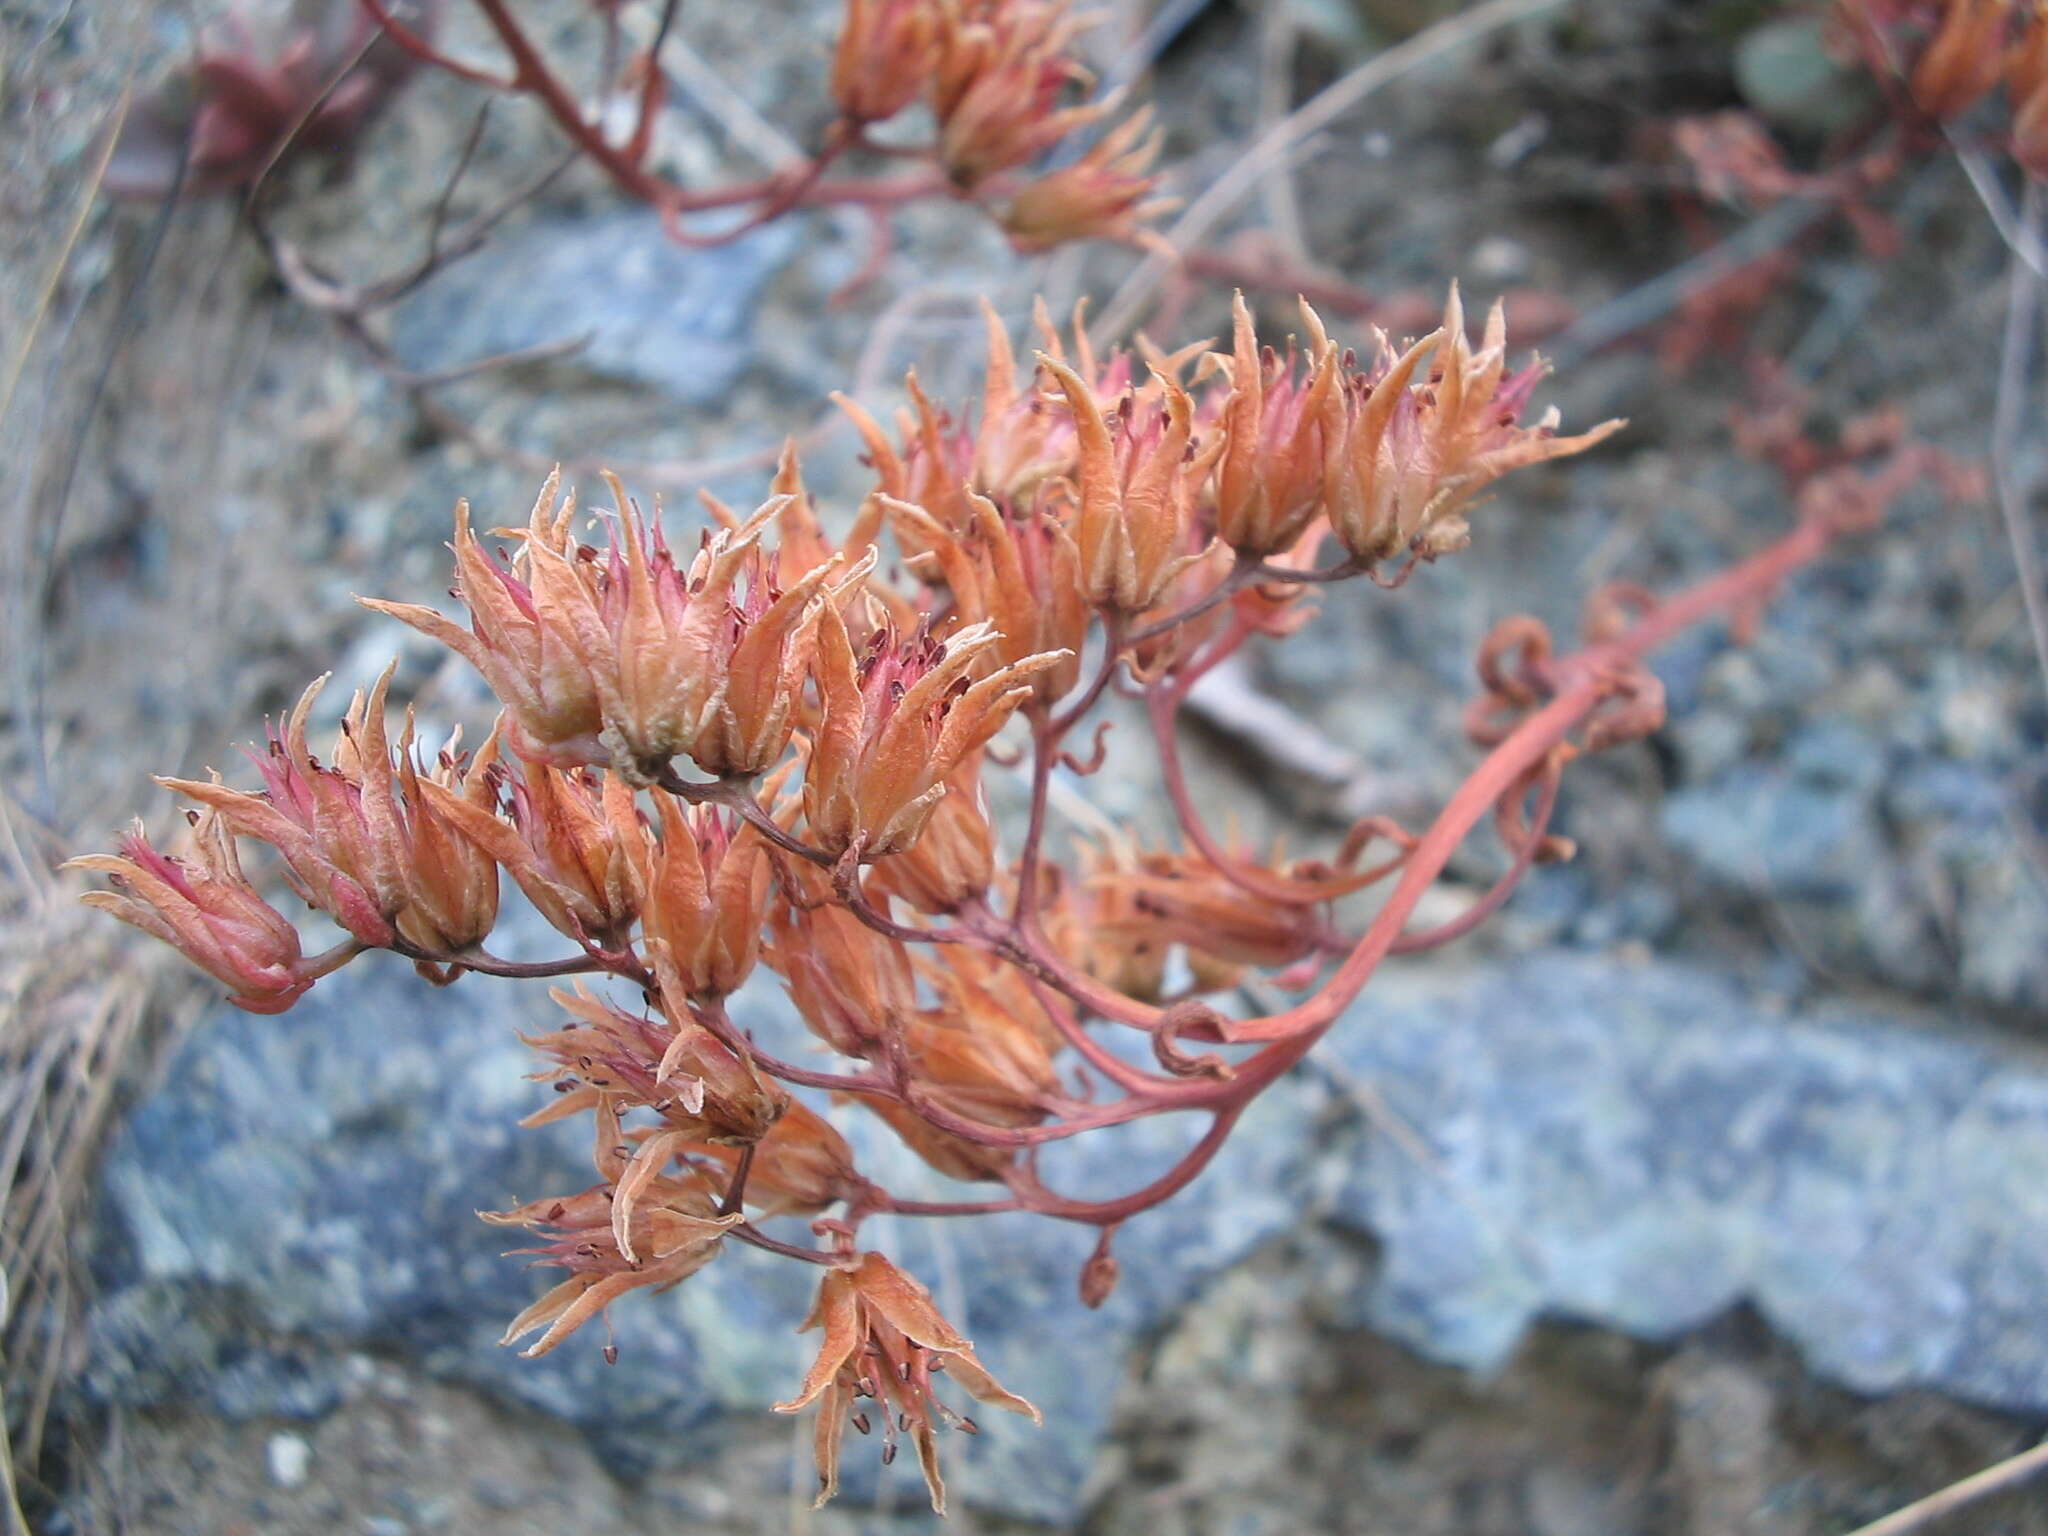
1163	707
418	46
884	1203
1107	1213
1583	681
1502	889
759	1239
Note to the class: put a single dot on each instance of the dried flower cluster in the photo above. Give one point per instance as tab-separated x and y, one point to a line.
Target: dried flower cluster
1005	89
764	753
996	75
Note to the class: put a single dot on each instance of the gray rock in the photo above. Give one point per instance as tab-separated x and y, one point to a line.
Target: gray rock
1645	1147
1786	71
655	312
1900	864
1765	829
1640	1146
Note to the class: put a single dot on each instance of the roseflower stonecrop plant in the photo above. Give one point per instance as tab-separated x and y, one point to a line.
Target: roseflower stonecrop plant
766	753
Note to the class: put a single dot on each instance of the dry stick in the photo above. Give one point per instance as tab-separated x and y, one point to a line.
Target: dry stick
1276	92
743	125
1994	1479
10	1497
533	76
2022	310
46	294
1648	303
1246	175
47	519
2021	236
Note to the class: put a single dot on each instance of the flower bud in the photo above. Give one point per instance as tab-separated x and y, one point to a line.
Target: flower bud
569	845
852	985
884	1339
202	906
702	1091
701	662
1021	573
1407	463
705	887
883	58
894	724
953	860
364	840
645	1226
1135	482
519	635
998	73
1104	195
1269	478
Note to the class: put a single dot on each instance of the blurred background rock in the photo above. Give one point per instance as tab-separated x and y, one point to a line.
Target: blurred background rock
1707	1190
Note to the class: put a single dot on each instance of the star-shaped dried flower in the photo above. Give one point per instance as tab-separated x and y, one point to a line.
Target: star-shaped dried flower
885	1340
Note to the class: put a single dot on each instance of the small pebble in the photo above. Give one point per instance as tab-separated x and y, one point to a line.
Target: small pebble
289	1458
1497	259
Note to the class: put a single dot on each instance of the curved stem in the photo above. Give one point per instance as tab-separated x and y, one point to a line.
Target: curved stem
1026	948
953	933
1104	1213
1343	570
486	964
1130	1078
1114	643
1582	681
759	1239
419	48
1240	576
1496	897
736	796
1045	751
1163	708
980	1132
714	1018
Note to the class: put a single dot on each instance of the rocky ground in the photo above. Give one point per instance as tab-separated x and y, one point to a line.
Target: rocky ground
1704	1194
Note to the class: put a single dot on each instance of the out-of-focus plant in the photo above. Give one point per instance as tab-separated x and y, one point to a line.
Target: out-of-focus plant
1907	81
766	753
309	77
1940	61
999	79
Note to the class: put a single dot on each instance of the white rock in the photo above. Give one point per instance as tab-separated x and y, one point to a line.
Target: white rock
289	1459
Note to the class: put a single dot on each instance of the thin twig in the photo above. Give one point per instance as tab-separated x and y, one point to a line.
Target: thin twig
298	125
2022	314
1276	94
1649	302
1245	176
2022	238
54	504
46	293
2009	1473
